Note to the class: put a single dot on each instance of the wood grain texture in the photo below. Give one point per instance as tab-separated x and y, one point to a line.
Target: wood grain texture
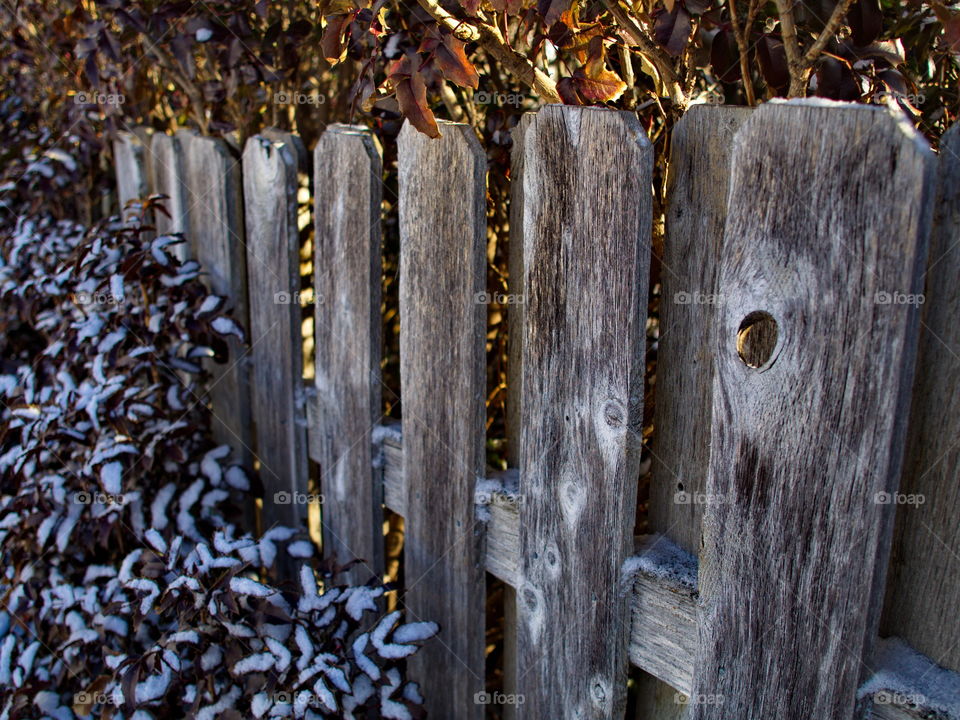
586	232
514	379
442	361
663	623
273	280
347	268
215	215
794	541
515	280
394	492
167	178
697	184
130	162
699	172
925	567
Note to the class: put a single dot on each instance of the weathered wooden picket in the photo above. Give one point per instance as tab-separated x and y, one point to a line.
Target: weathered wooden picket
799	434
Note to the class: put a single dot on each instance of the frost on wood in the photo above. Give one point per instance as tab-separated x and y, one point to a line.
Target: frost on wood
130	590
904	677
661	559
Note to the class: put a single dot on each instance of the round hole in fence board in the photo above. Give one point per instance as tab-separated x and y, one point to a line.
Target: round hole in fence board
757	338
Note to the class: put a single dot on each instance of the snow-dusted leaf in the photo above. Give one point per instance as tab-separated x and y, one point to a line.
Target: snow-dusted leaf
415	632
245	586
212	303
363	662
300	549
110	476
361	599
156	541
146	586
236	477
258	662
222	325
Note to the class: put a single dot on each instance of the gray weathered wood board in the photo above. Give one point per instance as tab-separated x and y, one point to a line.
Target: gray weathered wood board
829	206
514	379
663	627
697	183
586	233
515	286
215	215
442	361
297	147
130	164
273	281
167	178
699	173
347	268
925	561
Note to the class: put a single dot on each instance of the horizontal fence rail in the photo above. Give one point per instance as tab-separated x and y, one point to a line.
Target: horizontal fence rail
791	427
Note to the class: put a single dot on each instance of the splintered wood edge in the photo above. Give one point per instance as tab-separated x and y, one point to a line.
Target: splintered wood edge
663	606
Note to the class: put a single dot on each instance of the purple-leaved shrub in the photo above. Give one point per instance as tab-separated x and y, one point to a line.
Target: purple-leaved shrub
129	586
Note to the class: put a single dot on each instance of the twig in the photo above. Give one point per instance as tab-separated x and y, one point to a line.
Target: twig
829	30
627	64
660	60
490	39
800	66
741	34
791	47
450	102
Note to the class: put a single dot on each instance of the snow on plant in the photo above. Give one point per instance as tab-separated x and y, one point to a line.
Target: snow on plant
130	589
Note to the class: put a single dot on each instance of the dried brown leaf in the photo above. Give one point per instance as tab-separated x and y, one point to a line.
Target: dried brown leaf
332	43
552	10
594	81
411	94
453	62
951	25
672	29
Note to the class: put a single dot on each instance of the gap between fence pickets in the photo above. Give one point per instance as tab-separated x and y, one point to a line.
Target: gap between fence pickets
905	685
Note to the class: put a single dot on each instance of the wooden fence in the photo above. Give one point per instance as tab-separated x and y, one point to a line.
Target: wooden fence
807	400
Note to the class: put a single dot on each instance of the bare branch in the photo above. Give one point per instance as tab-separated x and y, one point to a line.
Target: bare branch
791	47
649	49
829	30
627	64
742	35
451	103
798	65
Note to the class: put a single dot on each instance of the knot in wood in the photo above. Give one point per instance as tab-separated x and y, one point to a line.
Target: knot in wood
599	693
614	413
530	598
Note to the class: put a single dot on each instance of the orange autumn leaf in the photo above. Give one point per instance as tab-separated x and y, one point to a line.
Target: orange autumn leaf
454	64
594	81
